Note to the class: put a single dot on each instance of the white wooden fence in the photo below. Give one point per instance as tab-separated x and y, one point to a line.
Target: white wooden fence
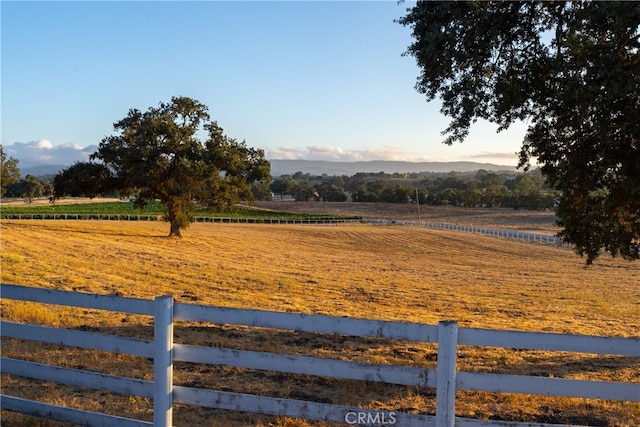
446	379
500	232
513	234
213	219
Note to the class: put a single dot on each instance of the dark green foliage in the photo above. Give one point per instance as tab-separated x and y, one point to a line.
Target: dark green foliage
157	156
282	186
32	188
88	179
303	192
9	171
472	189
572	71
261	191
330	192
28	188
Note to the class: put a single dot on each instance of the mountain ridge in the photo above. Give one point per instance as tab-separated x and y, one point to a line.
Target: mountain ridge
281	167
319	167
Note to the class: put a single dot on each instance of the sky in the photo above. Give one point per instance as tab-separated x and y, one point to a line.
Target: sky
323	80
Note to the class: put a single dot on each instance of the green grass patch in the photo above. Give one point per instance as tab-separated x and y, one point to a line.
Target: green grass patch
101	209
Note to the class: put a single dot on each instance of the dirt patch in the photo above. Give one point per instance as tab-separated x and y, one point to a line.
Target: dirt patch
480	217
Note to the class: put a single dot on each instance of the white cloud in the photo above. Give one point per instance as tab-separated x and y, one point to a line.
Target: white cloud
43	152
331	153
497	157
285	153
44	144
390	153
494	155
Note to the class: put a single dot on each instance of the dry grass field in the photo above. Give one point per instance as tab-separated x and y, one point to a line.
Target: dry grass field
386	273
523	220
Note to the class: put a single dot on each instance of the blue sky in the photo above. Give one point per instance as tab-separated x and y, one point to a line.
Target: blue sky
299	79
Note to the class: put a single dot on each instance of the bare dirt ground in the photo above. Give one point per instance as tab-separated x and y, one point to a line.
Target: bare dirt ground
535	221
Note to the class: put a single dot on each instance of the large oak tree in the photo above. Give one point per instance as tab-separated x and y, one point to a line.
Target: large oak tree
158	154
571	70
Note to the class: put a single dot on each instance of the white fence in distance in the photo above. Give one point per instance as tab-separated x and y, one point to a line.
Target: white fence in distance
500	232
445	379
212	219
512	234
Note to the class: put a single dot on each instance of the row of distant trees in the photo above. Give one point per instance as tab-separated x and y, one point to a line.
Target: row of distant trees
482	188
12	184
29	188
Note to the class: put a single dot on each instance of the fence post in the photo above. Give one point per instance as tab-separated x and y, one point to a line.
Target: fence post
446	374
163	362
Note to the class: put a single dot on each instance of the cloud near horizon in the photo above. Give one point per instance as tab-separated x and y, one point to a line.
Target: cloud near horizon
387	152
494	155
43	152
337	154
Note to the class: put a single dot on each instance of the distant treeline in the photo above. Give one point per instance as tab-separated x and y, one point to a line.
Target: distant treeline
476	189
481	188
30	187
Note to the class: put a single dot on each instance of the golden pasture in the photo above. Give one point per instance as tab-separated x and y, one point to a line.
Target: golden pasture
386	273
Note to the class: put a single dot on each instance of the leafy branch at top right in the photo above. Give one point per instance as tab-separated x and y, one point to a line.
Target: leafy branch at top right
571	71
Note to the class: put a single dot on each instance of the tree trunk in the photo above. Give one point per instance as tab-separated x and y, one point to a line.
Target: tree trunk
175	218
175	230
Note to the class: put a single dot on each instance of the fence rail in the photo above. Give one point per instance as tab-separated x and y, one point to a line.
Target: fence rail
500	232
512	234
446	379
129	217
85	216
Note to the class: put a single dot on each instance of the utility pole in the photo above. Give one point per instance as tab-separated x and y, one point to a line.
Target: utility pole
418	203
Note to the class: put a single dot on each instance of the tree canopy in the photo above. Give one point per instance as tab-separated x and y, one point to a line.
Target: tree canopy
9	171
83	179
158	154
571	70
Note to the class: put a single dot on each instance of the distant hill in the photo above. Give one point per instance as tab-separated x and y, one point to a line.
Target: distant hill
41	170
319	167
